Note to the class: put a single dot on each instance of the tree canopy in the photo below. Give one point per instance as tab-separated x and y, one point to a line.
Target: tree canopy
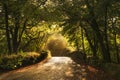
92	26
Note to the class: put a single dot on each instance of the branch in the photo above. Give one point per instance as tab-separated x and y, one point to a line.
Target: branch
23	29
28	43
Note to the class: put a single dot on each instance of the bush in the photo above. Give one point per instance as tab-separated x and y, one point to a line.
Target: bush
94	61
78	57
14	61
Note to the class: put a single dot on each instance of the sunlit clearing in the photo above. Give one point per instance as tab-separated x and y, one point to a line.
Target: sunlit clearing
57	45
58	36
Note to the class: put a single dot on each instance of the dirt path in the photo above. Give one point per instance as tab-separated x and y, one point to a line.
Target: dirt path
56	68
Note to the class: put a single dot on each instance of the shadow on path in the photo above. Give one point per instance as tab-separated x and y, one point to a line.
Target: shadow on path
56	68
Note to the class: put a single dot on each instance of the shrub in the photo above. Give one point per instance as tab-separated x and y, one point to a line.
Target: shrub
14	61
78	57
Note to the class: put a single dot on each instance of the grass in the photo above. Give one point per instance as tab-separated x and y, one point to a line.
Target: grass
14	61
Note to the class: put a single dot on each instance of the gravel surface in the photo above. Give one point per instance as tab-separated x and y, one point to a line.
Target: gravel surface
56	68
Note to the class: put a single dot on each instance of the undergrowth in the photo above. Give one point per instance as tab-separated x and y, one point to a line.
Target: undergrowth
13	61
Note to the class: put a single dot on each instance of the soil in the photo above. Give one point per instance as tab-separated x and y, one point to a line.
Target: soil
56	68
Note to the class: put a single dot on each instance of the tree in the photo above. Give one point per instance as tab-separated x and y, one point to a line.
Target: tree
5	7
57	45
90	15
18	16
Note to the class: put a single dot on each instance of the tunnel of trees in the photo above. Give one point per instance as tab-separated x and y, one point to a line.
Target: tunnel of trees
91	26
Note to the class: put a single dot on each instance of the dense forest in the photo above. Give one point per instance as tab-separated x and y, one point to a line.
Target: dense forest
89	26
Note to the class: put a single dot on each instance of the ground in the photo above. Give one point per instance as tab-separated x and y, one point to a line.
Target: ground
56	68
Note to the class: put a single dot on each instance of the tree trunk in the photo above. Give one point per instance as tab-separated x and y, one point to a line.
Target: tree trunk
82	35
105	32
77	45
105	53
15	36
7	29
92	46
116	48
94	25
23	29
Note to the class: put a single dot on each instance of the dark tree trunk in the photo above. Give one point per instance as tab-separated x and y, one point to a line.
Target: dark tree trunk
7	29
23	29
105	53
15	36
95	27
92	46
77	45
105	31
95	47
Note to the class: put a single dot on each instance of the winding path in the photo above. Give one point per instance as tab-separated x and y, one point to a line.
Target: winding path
56	68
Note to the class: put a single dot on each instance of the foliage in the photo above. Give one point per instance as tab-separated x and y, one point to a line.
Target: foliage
14	61
78	56
95	18
35	38
92	26
94	61
17	17
57	45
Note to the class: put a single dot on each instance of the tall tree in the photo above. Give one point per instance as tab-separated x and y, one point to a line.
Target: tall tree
5	7
89	12
19	15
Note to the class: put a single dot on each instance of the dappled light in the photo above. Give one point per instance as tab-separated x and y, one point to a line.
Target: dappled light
57	45
59	40
54	68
